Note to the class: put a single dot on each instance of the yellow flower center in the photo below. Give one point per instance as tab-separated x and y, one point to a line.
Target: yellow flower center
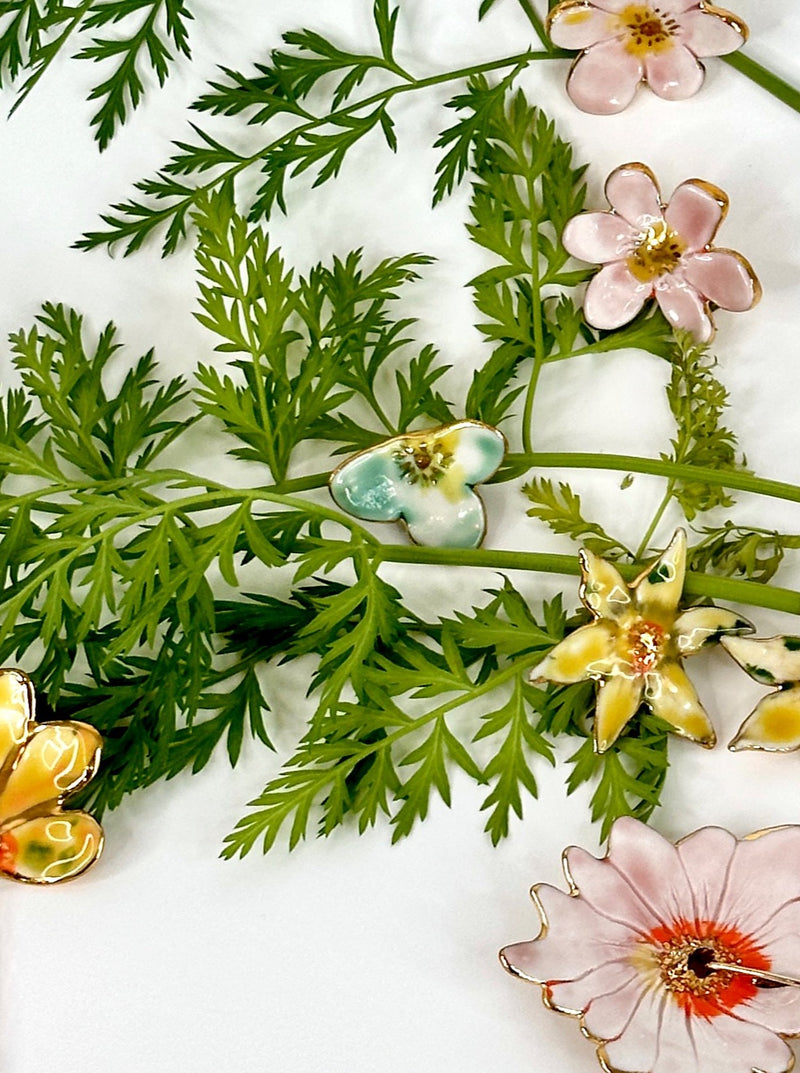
644	642
657	252
648	30
423	461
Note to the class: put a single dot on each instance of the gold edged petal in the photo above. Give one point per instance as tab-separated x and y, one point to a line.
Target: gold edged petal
698	627
658	589
17	707
773	725
588	652
602	589
618	700
672	697
56	760
49	849
770	660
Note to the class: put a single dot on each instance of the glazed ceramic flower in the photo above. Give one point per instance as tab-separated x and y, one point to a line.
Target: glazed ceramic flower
632	950
427	480
635	646
650	250
774	723
625	44
41	765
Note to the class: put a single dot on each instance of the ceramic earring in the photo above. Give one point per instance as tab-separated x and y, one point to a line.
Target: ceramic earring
635	646
41	765
774	723
425	479
675	957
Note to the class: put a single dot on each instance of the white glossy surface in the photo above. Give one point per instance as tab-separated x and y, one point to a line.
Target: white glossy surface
350	955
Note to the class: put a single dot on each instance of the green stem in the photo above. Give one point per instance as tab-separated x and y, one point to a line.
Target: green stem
765	78
536	314
659	514
536	22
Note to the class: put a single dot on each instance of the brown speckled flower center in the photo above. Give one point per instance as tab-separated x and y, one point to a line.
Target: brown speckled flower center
648	29
645	644
423	463
683	964
657	252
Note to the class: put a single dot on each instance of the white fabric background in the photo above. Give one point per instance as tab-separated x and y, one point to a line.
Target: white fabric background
350	955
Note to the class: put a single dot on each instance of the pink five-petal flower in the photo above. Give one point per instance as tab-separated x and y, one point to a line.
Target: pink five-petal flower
623	44
629	949
651	250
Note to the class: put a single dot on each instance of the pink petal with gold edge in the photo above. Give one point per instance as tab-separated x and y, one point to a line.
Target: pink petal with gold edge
609	893
632	191
712	35
603	80
598	237
578	24
608	1015
614	297
762	876
683	307
705	857
575	996
48	849
724	278
637	1047
56	760
695	211
723	1043
674	75
651	866
778	1010
618	700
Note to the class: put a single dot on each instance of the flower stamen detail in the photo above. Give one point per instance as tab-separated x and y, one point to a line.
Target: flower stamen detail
658	251
645	642
424	463
650	30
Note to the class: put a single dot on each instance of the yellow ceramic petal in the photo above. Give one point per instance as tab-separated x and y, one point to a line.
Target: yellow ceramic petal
770	660
672	698
57	759
773	725
16	712
700	626
618	699
586	653
602	589
658	588
50	848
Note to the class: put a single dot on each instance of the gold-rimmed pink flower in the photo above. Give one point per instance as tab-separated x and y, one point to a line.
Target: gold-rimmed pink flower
41	765
624	45
634	648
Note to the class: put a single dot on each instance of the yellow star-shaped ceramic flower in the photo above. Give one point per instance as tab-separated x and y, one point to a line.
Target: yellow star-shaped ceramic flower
635	645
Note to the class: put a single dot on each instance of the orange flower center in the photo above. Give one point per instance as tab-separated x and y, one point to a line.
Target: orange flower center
8	852
657	252
645	644
681	955
648	29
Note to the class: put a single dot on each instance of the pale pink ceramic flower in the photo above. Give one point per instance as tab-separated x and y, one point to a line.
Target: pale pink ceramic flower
651	250
625	44
636	950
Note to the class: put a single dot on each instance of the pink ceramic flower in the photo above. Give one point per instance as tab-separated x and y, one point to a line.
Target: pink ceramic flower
624	44
648	249
636	950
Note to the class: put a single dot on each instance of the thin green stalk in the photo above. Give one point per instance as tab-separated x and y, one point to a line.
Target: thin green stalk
765	78
659	514
536	22
538	329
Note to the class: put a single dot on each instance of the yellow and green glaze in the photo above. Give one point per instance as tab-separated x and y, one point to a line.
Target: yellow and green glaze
774	723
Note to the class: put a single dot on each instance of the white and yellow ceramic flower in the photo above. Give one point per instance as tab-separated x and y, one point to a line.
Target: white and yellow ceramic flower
774	723
635	646
425	479
41	764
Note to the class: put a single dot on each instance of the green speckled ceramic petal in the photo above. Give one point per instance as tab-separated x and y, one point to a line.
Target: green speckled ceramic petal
658	589
480	450
369	485
770	660
50	848
698	627
437	520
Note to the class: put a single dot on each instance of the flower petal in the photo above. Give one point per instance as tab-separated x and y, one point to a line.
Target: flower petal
695	211
777	1009
773	725
576	24
603	80
368	485
56	760
588	652
675	74
607	980
698	627
477	448
636	1048
737	1047
16	711
598	237
632	191
651	866
556	955
609	894
658	589
683	307
50	848
608	1015
618	700
724	278
614	297
705	857
770	660
439	520
673	698
762	878
602	589
708	34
